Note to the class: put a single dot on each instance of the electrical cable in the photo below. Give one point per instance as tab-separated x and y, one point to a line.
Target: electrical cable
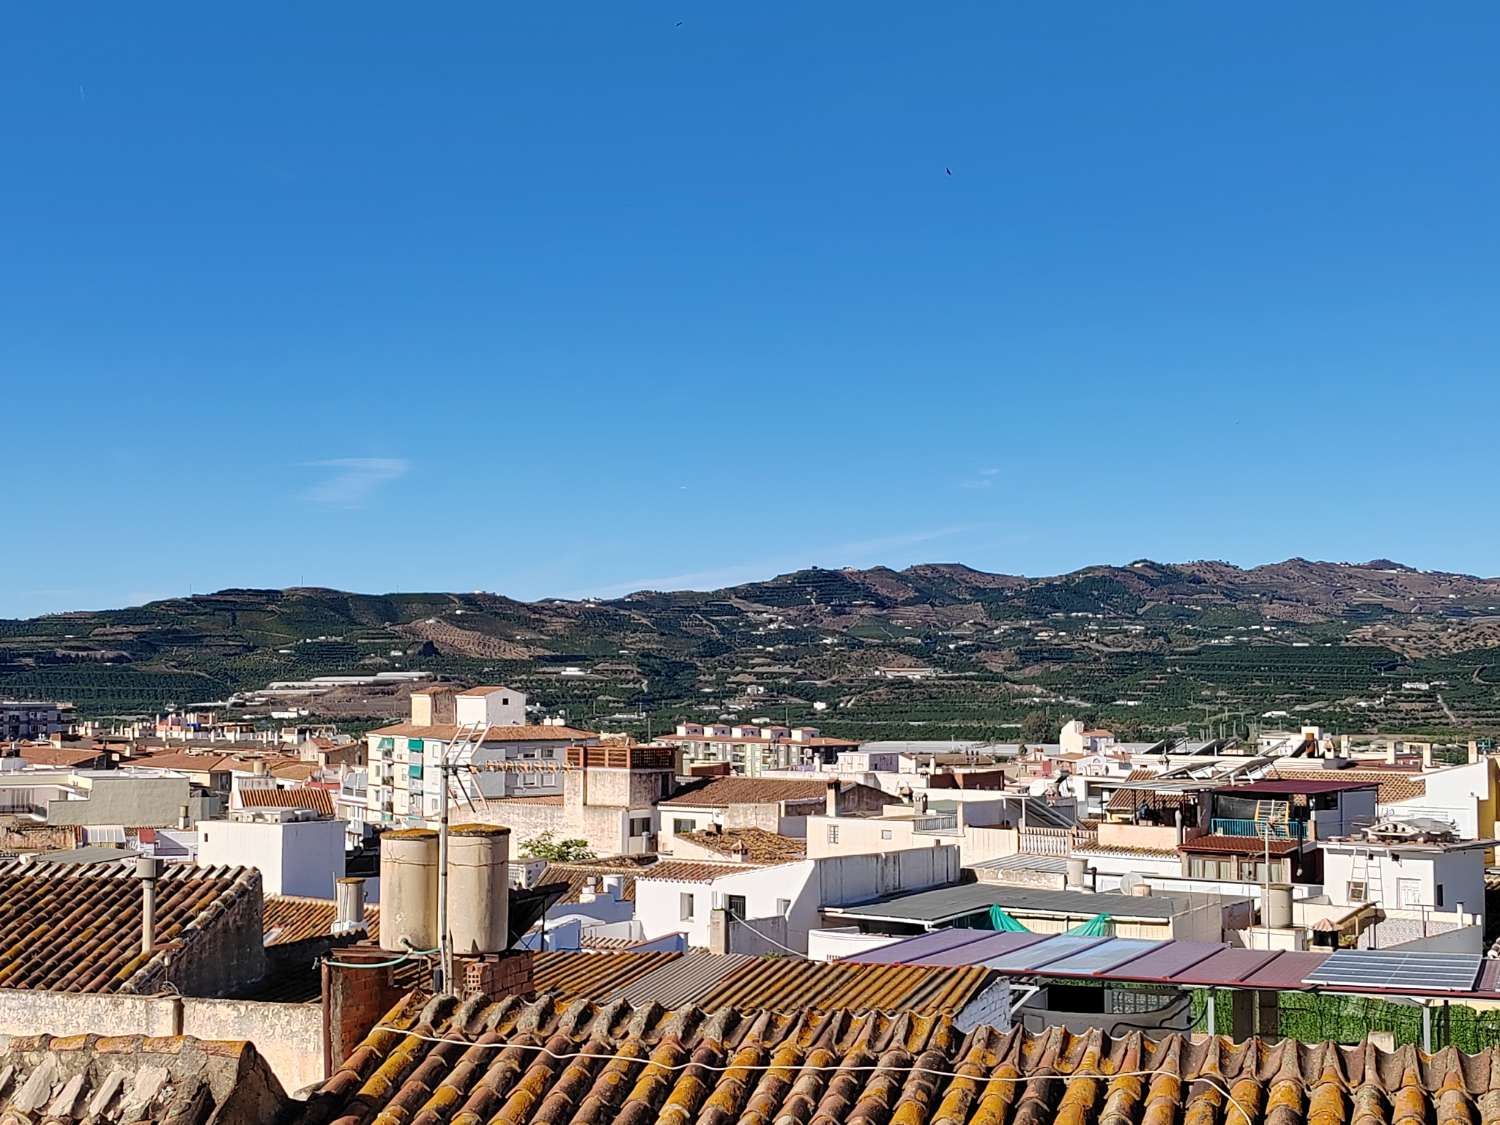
764	937
405	957
563	1056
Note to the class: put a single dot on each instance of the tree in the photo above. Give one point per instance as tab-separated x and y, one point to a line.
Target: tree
544	846
1036	727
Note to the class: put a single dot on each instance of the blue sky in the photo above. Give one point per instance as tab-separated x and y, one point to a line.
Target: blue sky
572	299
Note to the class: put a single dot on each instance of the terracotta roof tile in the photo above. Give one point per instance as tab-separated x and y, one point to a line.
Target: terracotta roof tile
694	870
288	919
757	1066
1237	845
577	876
1394	786
1125	850
720	792
319	801
759	845
95	1078
65	758
66	928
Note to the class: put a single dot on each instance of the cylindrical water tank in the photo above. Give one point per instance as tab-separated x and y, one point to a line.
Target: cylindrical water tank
478	888
1276	906
408	889
1077	872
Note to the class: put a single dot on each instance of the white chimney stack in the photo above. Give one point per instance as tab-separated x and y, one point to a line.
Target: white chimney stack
148	870
349	905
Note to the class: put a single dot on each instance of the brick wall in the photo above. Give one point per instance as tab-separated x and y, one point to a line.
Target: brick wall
495	974
355	1000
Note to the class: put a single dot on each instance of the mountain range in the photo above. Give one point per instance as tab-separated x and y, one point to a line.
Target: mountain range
940	645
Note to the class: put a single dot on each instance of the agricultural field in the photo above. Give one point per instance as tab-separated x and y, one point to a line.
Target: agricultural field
1150	649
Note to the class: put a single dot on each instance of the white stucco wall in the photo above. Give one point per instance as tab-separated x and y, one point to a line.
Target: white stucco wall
288	1036
1410	882
300	857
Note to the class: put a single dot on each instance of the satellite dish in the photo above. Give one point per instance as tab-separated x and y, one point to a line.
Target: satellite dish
1129	882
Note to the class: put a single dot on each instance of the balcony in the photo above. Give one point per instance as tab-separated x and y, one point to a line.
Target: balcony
935	822
1260	829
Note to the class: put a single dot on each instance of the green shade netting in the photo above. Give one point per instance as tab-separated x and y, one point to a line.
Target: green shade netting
1000	920
1097	926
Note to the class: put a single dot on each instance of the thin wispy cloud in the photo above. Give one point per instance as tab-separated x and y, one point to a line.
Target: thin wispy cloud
749	570
985	478
351	481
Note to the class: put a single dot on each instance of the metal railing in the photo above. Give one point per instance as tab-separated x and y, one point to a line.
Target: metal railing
1276	830
935	822
1056	841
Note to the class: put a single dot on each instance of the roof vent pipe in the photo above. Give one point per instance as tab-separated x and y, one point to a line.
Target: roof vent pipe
148	870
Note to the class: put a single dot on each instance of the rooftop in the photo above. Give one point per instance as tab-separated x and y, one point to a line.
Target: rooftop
319	801
1393	785
714	980
1239	845
1189	964
288	919
945	904
720	792
577	875
145	1081
78	928
520	732
694	870
1294	786
758	1066
759	845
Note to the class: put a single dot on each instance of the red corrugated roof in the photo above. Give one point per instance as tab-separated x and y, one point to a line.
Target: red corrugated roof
1309	787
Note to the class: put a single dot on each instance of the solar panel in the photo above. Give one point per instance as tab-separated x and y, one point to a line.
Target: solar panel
1418	972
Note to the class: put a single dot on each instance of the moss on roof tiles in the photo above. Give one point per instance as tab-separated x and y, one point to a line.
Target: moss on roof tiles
78	929
877	1066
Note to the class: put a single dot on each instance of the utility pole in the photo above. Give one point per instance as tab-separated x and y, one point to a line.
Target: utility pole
1265	903
445	947
468	734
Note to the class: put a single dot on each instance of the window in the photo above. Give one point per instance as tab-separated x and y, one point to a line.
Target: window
685	907
679	825
1357	891
885	834
640	825
1437	895
505	701
833	833
735	905
783	906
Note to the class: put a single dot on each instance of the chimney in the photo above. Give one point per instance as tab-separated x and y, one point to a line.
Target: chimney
258	767
349	905
1473	752
148	870
919	804
1426	755
831	799
1390	753
738	851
